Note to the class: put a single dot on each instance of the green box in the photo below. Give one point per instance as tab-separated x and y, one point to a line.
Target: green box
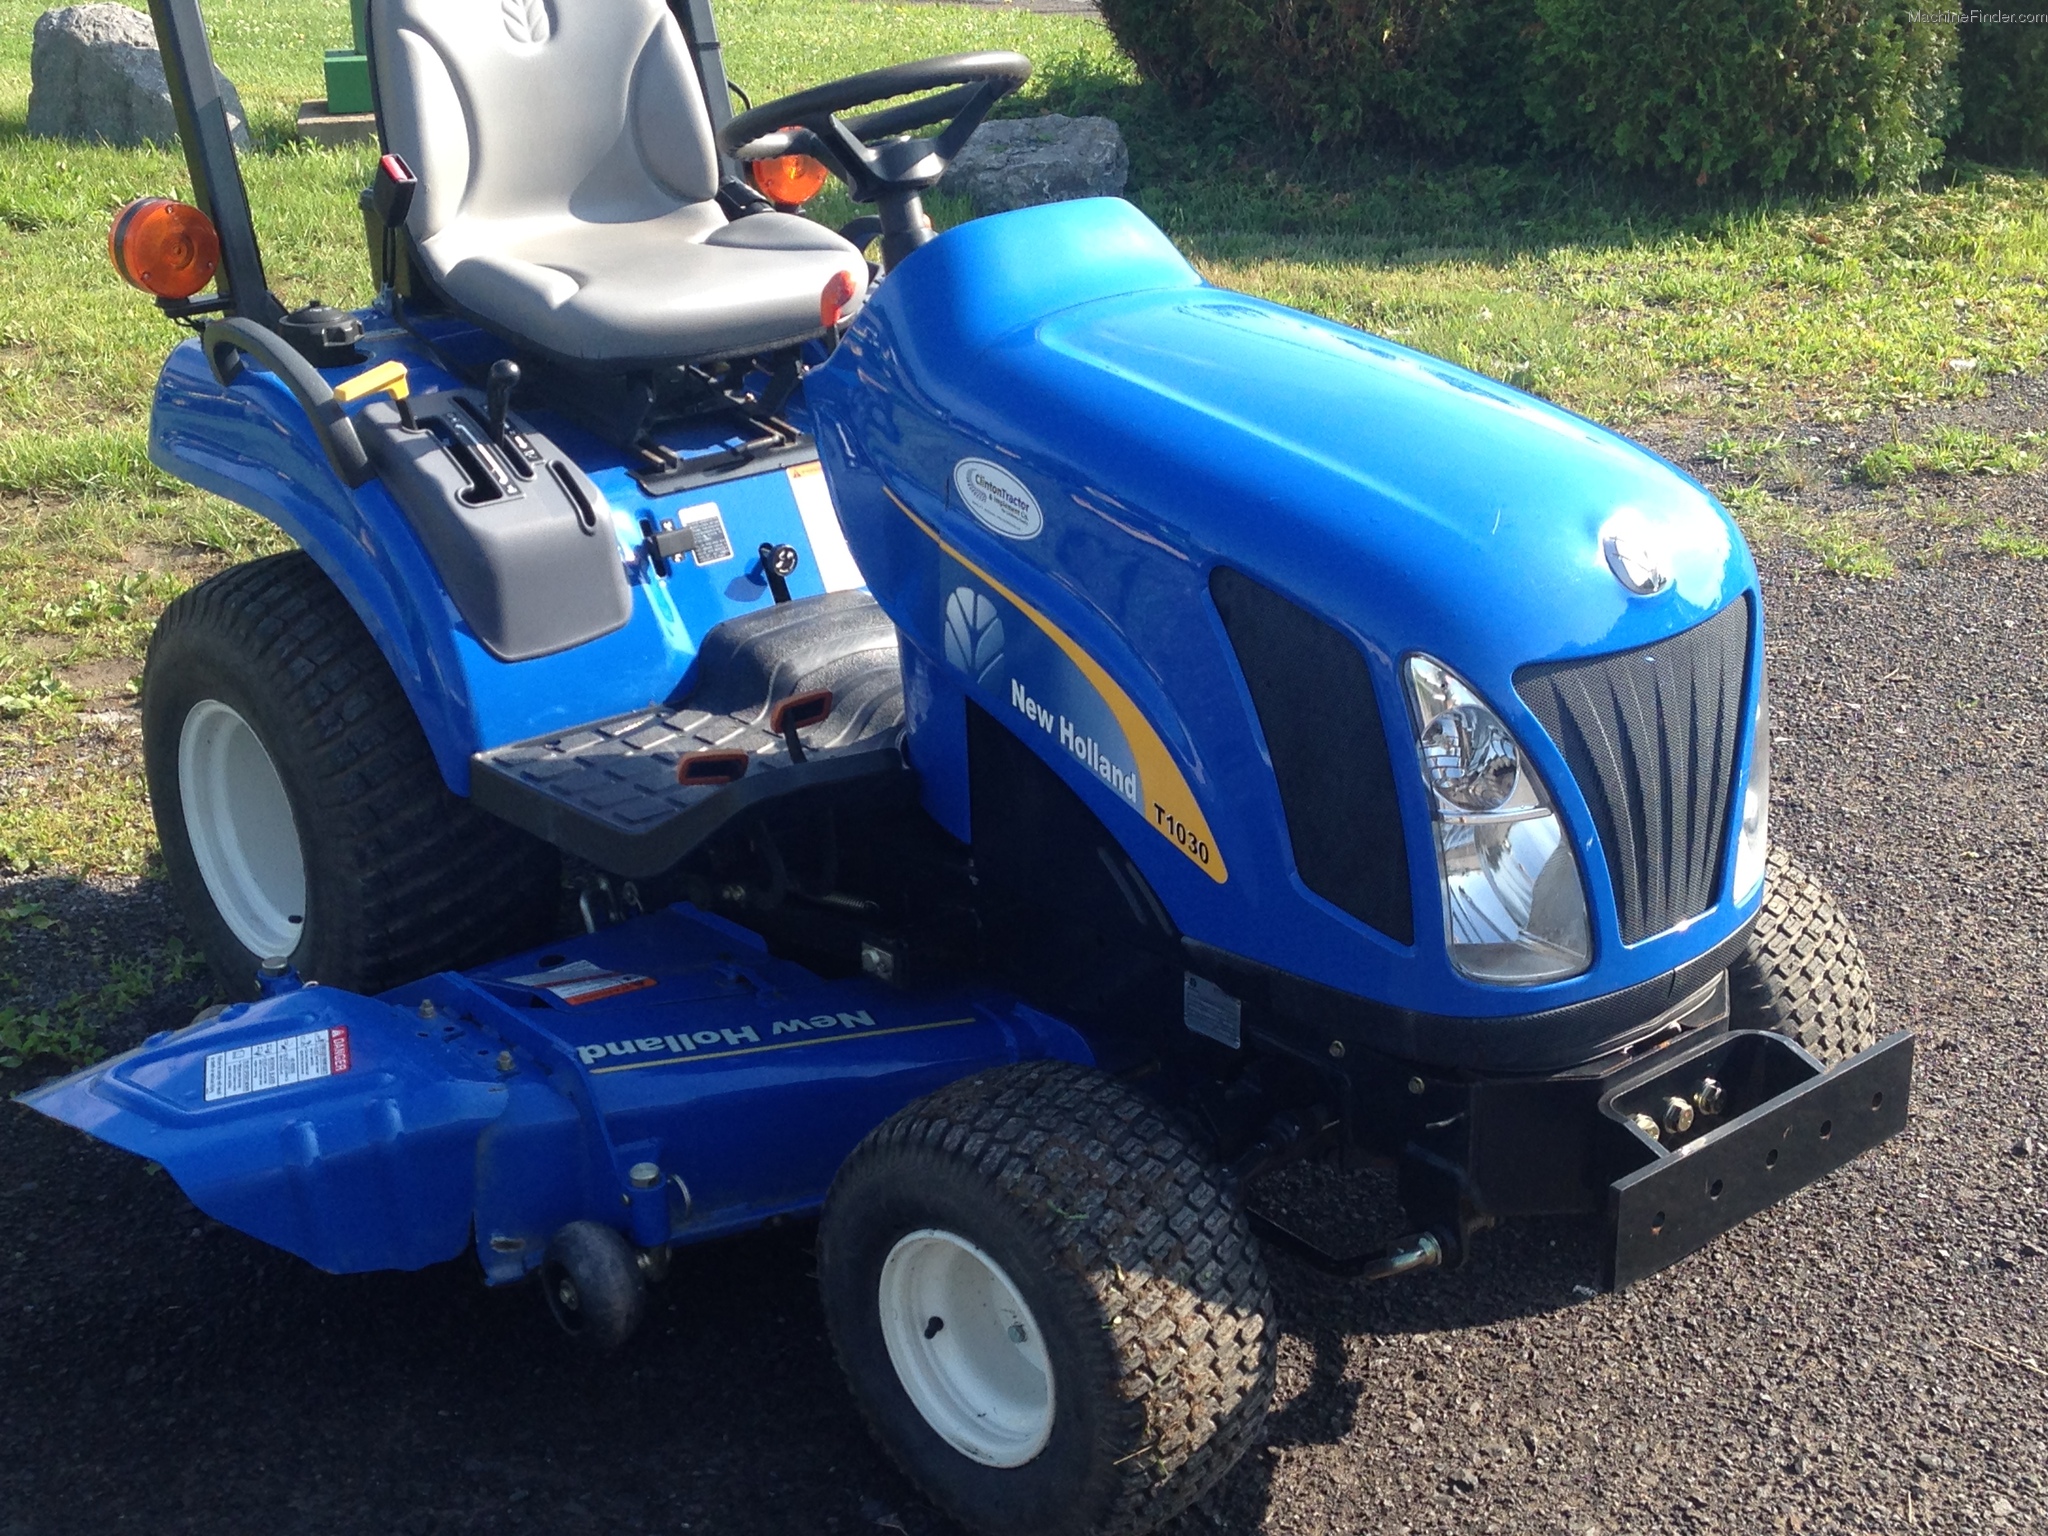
348	82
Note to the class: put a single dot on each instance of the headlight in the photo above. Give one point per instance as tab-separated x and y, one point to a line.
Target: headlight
1514	907
1755	840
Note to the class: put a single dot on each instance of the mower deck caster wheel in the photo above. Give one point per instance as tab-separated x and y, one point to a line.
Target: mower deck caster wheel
594	1285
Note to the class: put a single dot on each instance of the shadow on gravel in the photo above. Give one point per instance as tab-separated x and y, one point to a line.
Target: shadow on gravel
88	968
1519	1270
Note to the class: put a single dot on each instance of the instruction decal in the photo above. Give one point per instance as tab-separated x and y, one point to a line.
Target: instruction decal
277	1063
1061	697
581	981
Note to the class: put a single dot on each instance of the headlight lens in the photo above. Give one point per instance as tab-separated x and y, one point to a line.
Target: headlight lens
1755	840
1514	906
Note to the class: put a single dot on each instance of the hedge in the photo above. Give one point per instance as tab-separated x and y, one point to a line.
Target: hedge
2003	73
1757	91
1766	91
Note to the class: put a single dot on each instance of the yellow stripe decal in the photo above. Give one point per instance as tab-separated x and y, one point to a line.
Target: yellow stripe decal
1174	813
786	1045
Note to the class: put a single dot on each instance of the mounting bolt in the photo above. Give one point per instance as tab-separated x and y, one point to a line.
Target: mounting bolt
426	1007
1336	1047
1710	1098
1677	1116
504	1061
643	1175
1648	1127
1416	1086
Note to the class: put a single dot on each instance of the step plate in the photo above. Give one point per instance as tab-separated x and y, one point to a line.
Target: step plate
607	791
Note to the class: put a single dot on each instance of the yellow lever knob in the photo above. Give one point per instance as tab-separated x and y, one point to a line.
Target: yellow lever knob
384	379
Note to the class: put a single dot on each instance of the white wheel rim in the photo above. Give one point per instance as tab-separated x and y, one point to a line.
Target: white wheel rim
239	823
981	1379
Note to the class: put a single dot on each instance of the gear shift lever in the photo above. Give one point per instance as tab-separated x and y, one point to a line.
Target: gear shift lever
498	399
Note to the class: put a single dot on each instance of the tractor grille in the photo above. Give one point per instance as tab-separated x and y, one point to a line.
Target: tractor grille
1650	737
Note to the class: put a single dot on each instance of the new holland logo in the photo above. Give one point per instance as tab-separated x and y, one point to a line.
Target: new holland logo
974	634
1637	553
526	21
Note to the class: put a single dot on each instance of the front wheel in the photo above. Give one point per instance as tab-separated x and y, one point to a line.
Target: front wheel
1801	973
1052	1313
299	807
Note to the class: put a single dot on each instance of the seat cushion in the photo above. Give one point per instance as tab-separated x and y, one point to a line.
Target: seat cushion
685	287
568	180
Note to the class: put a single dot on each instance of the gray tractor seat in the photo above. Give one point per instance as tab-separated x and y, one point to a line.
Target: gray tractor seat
568	185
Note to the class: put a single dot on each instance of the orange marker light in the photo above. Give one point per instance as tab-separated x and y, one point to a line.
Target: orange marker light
789	181
839	291
163	247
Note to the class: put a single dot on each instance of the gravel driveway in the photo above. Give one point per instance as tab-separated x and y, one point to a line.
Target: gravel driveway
1868	1357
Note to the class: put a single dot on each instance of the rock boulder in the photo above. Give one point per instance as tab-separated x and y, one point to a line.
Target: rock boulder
1021	162
95	74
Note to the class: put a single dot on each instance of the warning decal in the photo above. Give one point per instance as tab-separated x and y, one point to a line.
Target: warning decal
276	1063
581	981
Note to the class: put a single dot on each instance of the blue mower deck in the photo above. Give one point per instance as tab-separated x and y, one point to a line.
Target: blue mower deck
505	1102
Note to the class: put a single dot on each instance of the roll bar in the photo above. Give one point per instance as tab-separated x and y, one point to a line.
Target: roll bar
210	156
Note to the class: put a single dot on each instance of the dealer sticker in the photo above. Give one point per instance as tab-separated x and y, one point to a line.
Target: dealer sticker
276	1063
581	981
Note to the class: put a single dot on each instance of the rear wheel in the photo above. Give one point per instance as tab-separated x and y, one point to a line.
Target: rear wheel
1802	972
298	804
1053	1315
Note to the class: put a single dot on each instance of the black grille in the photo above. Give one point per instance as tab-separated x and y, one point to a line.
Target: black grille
1650	737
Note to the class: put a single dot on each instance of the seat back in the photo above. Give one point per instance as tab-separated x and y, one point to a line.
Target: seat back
531	110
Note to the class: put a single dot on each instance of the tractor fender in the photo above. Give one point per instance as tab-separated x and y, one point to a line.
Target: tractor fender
249	444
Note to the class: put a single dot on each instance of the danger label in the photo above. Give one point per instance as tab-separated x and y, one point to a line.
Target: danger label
582	981
276	1063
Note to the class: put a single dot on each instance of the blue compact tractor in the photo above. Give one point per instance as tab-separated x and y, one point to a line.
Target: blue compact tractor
1041	742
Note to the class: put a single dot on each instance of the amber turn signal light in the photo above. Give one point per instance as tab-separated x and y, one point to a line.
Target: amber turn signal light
165	248
789	181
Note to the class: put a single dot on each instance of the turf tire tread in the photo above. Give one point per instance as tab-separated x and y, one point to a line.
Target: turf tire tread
1802	972
439	883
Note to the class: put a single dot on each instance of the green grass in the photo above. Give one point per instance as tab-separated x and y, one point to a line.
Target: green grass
68	1030
1638	306
2001	538
1842	546
1950	451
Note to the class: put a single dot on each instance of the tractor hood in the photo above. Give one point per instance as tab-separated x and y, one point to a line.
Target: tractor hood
1405	498
1046	434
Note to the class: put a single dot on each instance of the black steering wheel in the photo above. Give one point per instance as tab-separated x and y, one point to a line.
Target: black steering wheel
872	153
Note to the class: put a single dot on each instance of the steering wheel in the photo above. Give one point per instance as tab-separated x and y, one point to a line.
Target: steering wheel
871	153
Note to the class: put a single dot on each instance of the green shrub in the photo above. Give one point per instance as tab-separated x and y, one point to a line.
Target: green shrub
2003	72
1760	92
1347	72
1160	38
1754	91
